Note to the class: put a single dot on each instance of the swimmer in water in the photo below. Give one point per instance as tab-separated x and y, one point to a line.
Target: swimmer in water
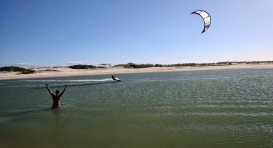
56	98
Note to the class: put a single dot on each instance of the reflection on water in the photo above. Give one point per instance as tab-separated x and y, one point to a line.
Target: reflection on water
24	112
227	108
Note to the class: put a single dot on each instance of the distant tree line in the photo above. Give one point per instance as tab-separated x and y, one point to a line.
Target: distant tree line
199	64
80	66
133	65
17	69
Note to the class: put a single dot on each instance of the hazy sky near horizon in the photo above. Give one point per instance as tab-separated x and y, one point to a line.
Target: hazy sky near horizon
57	32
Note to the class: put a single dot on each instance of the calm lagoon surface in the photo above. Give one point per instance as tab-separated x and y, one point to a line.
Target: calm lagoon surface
225	108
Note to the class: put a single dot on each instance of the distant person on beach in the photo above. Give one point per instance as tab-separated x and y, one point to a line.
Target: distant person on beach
56	97
114	77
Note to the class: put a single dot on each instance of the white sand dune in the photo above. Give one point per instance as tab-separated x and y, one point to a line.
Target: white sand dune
64	71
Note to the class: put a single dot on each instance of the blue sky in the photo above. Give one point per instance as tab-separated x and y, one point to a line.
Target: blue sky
57	32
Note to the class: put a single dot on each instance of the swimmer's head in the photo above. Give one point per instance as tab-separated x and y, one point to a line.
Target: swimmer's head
57	91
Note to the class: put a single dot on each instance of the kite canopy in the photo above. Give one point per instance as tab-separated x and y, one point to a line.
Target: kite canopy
206	18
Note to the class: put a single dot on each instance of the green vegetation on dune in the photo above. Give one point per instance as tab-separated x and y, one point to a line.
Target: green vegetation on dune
134	65
17	69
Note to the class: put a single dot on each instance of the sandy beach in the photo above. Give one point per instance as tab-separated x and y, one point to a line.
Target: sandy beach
65	71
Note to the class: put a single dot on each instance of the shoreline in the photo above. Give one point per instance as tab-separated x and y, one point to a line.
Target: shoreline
67	72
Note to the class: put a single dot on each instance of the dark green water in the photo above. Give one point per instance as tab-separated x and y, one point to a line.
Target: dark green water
228	108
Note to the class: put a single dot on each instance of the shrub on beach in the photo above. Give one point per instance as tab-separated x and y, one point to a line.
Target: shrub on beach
133	65
158	65
82	66
28	71
17	69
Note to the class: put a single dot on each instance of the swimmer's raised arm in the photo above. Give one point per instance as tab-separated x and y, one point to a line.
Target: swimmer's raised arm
48	89
63	90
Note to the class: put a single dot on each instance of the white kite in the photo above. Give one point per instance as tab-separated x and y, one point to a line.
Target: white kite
206	18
